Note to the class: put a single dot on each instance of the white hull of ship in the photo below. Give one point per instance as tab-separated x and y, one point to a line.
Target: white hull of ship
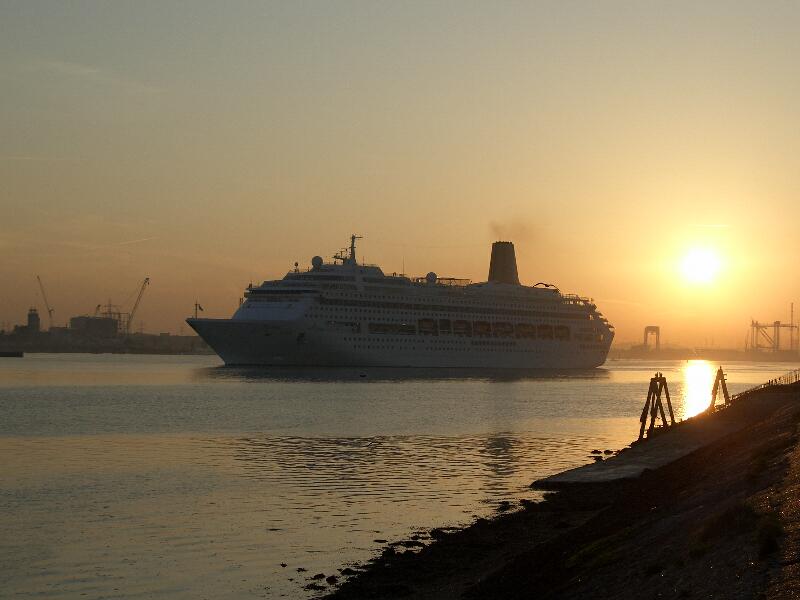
286	343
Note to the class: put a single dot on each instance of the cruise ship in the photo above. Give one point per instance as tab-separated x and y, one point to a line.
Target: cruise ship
346	313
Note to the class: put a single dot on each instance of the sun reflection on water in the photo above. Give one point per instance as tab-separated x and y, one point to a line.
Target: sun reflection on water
698	379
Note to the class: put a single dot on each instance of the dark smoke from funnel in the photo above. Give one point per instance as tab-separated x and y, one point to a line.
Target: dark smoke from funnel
513	229
503	266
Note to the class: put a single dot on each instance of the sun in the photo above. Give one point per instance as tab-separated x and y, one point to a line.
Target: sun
700	265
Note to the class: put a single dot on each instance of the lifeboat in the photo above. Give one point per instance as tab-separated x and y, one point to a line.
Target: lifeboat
481	328
525	330
406	329
427	327
561	332
462	327
544	332
380	328
503	329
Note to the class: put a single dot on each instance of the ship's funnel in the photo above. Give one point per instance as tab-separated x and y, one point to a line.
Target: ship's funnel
503	267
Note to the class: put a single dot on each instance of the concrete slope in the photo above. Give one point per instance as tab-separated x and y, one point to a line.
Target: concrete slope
672	444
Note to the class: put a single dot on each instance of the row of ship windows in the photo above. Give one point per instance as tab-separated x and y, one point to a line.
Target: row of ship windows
464	328
372	280
454	345
442	322
395	298
356	304
370	311
471	328
451	309
504	348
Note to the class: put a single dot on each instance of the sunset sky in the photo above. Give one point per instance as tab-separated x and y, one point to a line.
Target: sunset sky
210	144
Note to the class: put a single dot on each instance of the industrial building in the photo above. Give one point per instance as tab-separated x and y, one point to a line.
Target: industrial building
107	330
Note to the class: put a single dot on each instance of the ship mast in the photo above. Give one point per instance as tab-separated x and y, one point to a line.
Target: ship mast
349	258
353	239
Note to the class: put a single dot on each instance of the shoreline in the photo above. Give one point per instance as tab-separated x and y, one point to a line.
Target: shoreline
715	522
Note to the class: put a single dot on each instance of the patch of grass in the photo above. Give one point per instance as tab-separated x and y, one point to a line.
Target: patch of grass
740	519
765	455
602	552
593	555
737	518
757	466
774	448
769	532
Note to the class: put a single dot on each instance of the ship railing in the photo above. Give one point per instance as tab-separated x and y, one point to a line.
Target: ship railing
605	322
580	300
446	281
453	281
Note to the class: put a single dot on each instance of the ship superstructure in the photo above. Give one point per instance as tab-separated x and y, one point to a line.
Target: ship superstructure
344	313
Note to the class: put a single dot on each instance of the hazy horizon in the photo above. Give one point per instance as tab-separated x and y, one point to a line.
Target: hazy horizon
208	145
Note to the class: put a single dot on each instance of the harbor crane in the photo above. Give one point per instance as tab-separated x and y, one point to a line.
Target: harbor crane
50	311
761	339
136	305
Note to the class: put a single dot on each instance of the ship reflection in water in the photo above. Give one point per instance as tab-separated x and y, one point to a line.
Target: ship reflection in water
698	380
391	374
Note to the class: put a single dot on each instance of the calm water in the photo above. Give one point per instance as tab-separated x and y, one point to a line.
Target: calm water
172	477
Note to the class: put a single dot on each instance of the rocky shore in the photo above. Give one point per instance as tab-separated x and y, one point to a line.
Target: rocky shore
723	521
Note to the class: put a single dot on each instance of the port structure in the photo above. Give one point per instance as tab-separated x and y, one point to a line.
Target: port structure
122	321
50	310
129	320
719	385
654	407
766	337
655	331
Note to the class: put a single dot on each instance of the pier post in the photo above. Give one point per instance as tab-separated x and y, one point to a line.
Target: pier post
719	383
654	407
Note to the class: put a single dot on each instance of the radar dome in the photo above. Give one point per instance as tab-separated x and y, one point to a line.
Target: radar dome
430	277
316	262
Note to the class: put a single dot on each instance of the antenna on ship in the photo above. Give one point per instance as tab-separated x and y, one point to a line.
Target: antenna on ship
353	239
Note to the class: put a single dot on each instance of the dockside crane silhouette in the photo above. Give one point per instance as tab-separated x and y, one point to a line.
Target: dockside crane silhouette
50	311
